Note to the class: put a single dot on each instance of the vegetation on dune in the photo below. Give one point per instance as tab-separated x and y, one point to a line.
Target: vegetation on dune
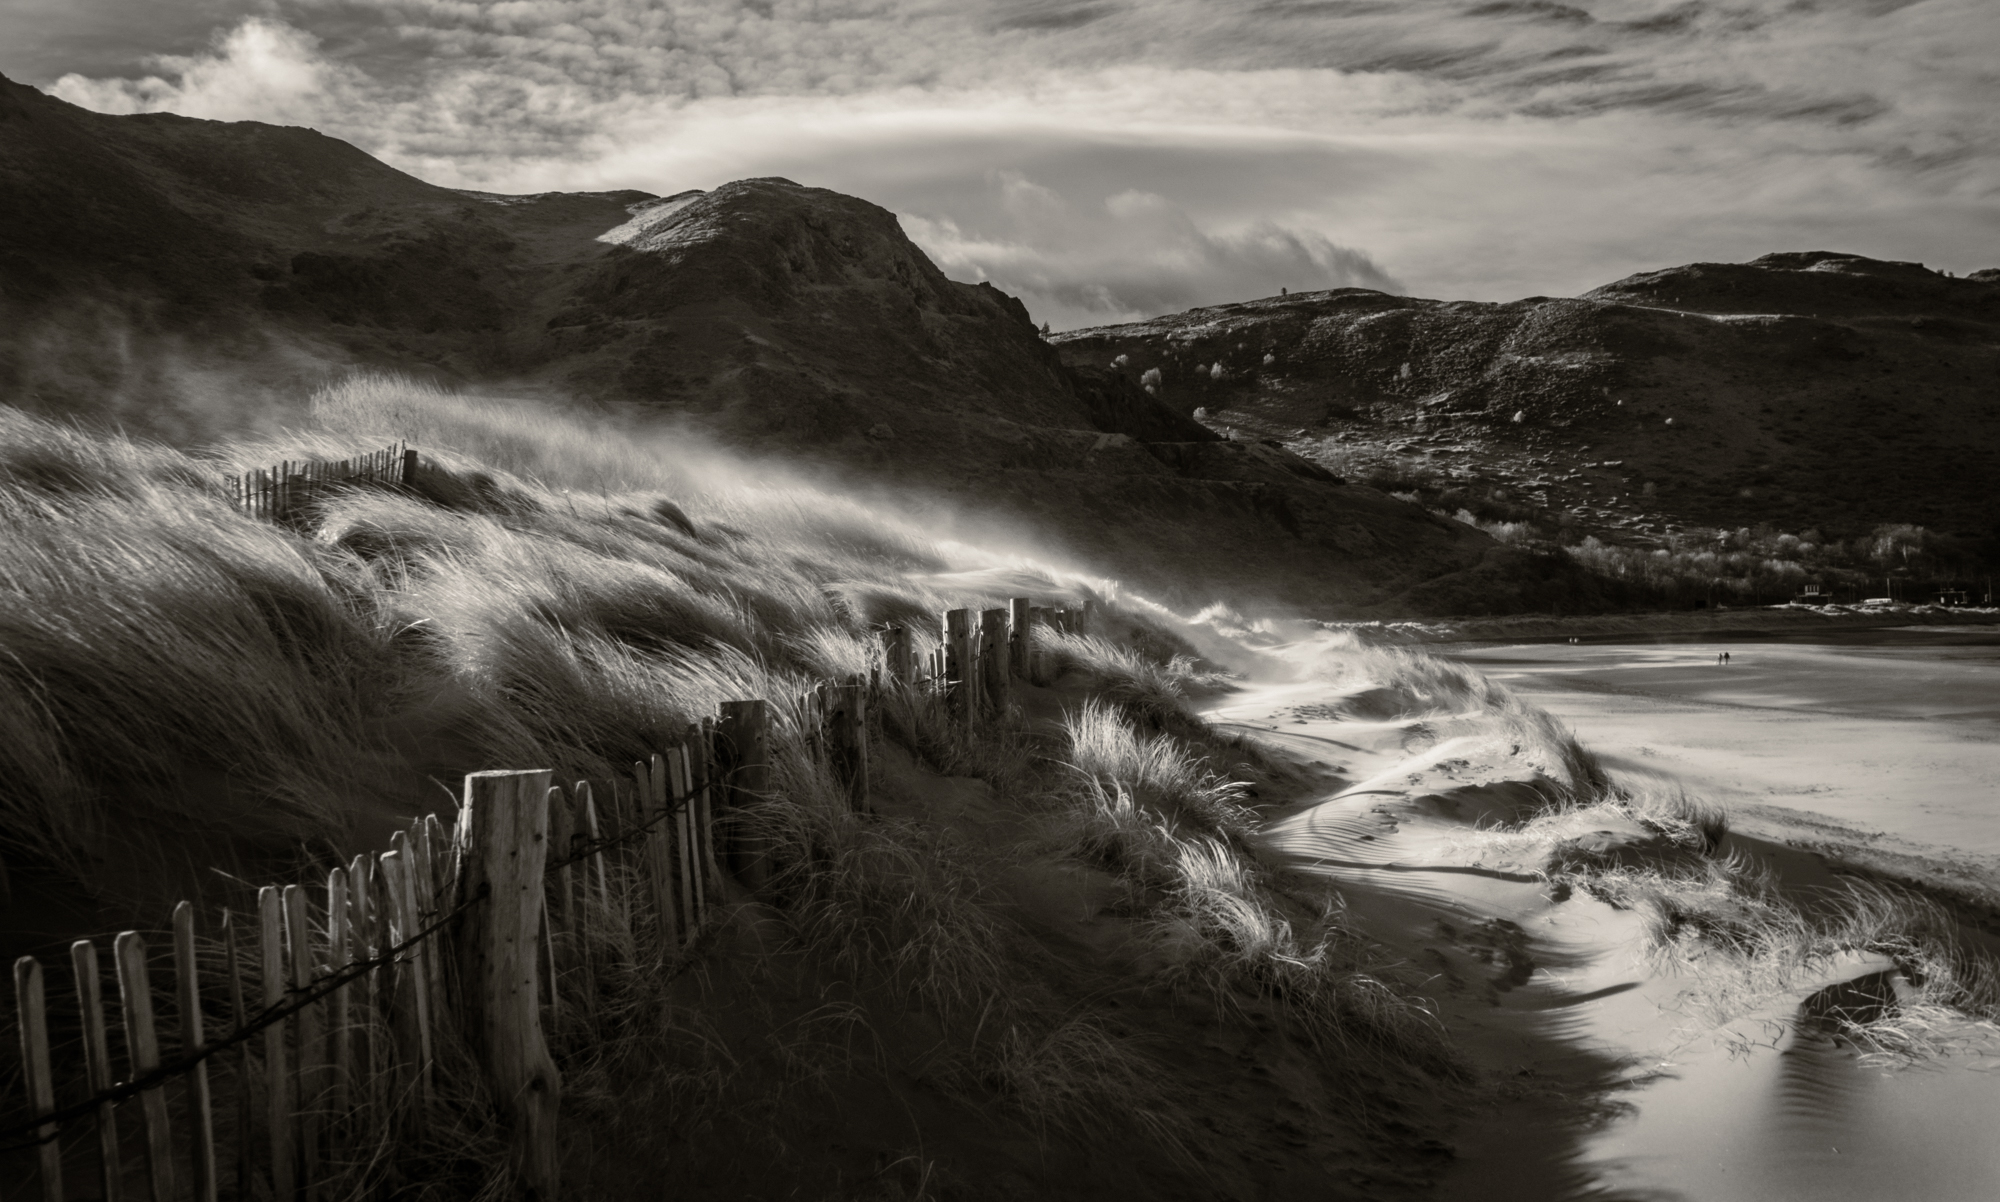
548	595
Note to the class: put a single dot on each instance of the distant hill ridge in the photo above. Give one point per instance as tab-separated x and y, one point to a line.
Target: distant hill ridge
1813	390
157	271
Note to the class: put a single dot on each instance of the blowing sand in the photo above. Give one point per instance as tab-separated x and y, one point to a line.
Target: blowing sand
1697	1094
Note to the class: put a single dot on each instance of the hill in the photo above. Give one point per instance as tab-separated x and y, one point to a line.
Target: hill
1811	391
228	266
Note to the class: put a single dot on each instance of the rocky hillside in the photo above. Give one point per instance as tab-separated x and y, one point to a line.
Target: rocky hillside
1812	390
180	276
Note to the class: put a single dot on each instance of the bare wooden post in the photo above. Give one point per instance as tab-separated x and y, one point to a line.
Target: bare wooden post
244	1121
298	930
562	833
847	738
744	738
35	1071
410	465
699	766
277	1082
412	1008
505	829
961	678
142	1049
993	659
361	921
587	807
201	1119
97	1064
428	843
898	659
444	869
1021	640
694	867
652	856
415	870
674	766
339	1037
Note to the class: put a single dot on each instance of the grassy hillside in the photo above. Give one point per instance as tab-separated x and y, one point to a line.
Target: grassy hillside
189	690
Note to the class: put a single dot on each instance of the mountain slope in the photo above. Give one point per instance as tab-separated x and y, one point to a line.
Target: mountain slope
1809	390
227	266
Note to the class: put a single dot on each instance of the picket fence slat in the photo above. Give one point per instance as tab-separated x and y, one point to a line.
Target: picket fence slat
587	807
562	830
363	945
35	1074
244	1100
311	1048
142	1051
340	1040
277	1081
97	1065
702	739
201	1117
681	798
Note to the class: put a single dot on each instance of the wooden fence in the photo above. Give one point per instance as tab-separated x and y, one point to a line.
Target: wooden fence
274	492
324	1013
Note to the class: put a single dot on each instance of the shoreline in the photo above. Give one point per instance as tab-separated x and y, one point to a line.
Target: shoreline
1766	622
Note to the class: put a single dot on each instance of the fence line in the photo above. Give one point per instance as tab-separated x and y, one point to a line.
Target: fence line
453	935
273	492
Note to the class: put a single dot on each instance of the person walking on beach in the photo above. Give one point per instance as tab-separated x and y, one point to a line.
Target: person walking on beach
1718	659
1725	659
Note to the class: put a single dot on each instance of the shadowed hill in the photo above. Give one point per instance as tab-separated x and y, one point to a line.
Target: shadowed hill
1811	390
188	277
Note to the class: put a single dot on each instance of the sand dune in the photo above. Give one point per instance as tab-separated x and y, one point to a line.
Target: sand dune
1706	1097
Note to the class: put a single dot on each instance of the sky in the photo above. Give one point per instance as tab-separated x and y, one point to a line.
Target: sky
1107	160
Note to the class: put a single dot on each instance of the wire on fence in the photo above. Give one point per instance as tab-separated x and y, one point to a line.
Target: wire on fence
268	1017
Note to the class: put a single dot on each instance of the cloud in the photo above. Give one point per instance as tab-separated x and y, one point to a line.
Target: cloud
260	67
1482	150
1132	255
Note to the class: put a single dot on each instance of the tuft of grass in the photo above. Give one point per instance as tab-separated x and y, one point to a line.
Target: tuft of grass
1746	940
1152	688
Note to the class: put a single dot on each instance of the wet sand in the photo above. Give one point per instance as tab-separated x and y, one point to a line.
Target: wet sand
1896	731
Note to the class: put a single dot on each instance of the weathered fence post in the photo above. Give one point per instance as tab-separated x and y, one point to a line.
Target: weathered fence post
898	655
744	739
993	657
409	465
277	1082
655	846
35	1070
847	738
504	829
363	921
311	1048
202	1119
97	1064
960	666
244	1122
142	1050
412	995
701	746
1021	639
340	1041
